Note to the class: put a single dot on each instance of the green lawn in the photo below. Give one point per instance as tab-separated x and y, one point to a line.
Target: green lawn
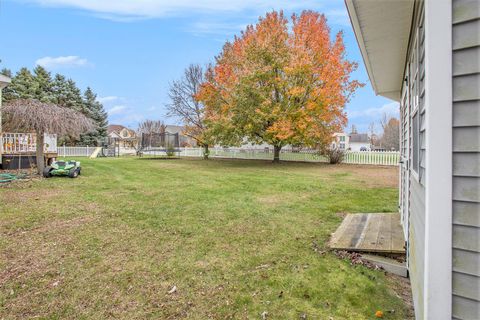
236	238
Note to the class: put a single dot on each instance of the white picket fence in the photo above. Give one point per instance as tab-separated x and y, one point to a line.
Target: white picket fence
64	151
384	158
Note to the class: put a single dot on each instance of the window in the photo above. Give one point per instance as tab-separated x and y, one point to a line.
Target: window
342	138
415	143
342	146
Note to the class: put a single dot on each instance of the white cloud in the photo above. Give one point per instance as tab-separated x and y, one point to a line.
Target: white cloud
128	10
62	61
338	16
391	109
223	28
116	110
107	99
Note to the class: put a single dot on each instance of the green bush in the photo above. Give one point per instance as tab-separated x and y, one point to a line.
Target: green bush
170	150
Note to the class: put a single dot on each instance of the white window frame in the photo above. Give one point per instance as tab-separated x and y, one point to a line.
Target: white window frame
414	92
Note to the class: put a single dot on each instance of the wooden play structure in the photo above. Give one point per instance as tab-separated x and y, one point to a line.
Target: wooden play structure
17	150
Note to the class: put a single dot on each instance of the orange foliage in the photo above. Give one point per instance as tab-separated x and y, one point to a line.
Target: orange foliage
279	86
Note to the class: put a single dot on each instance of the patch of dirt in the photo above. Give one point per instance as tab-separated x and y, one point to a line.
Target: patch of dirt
401	288
27	194
371	176
31	257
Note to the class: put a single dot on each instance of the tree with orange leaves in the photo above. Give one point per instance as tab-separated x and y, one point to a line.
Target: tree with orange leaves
278	86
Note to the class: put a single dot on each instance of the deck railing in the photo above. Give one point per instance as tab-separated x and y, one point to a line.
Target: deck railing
17	143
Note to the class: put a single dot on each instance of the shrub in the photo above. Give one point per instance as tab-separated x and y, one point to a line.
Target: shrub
334	155
170	150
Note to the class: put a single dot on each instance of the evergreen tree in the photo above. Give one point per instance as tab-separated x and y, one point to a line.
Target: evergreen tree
8	93
23	85
60	91
59	88
67	94
74	97
44	85
6	72
96	112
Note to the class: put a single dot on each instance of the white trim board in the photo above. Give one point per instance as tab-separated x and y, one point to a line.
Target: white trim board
438	175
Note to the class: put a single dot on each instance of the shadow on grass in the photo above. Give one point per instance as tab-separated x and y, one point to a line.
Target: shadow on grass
158	158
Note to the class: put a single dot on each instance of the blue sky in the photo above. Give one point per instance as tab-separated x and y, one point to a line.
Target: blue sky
129	51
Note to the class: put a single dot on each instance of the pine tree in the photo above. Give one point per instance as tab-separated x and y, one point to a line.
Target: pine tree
67	94
59	88
6	72
8	93
44	85
96	112
23	85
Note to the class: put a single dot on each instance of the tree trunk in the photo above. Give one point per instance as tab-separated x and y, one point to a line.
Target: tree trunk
39	153
276	154
205	152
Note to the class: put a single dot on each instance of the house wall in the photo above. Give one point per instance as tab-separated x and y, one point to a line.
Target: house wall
414	88
466	159
356	146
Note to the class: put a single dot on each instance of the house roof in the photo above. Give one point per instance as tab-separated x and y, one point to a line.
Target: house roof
359	137
382	29
174	129
4	81
116	128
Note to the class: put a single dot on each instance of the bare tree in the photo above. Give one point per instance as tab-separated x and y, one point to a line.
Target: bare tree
372	134
384	120
35	116
390	139
151	126
185	106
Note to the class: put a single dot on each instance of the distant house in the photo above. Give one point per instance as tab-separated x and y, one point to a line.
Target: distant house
351	142
359	142
341	141
125	136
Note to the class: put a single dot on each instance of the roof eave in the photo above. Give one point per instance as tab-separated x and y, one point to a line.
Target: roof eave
387	86
361	44
4	81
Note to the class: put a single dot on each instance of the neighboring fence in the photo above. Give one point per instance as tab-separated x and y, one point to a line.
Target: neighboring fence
64	151
386	158
86	151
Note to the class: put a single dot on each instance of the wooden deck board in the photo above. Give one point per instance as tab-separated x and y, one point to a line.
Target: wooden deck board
370	232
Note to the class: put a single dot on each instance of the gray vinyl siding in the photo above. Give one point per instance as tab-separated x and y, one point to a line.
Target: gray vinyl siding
466	159
416	234
417	244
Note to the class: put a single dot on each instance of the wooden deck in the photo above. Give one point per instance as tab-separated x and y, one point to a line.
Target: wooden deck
370	232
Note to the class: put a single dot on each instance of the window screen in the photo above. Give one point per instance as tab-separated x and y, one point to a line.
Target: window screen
415	143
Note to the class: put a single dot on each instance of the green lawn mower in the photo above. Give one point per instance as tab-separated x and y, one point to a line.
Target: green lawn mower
69	168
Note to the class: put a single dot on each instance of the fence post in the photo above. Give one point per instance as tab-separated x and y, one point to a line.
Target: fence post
64	150
87	151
